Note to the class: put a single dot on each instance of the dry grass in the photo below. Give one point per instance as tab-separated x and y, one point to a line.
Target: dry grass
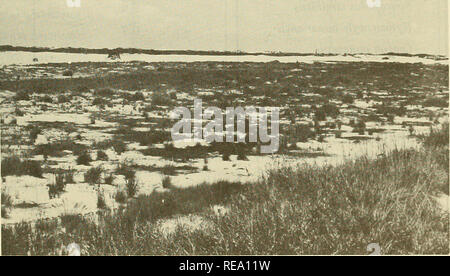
304	210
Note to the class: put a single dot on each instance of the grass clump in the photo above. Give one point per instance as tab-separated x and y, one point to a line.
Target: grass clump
167	182
6	205
92	176
109	179
101	155
84	159
13	165
120	197
68	73
437	137
131	184
101	203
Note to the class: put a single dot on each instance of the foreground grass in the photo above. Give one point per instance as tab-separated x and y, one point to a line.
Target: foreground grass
305	210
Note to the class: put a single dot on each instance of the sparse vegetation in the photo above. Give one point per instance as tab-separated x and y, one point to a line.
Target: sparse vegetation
297	210
101	155
120	197
60	182
437	138
92	176
68	73
84	159
14	166
131	183
101	203
302	204
109	179
6	205
166	182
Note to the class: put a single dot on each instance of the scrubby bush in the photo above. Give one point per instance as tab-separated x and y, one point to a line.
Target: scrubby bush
82	89
68	177
53	191
4	212
118	145
18	112
150	137
131	183
101	203
34	132
73	223
138	96
348	99
33	168
63	99
161	99
169	170
99	101
92	176
14	166
437	137
325	110
436	102
84	159
46	99
109	179
68	73
226	156
303	133
166	182
60	182
6	199
125	170
132	186
57	148
241	156
7	203
22	96
101	155
104	92
120	197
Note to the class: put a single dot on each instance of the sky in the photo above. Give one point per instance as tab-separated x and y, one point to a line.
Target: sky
330	26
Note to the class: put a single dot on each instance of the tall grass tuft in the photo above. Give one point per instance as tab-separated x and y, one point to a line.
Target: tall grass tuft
131	184
14	166
92	176
6	205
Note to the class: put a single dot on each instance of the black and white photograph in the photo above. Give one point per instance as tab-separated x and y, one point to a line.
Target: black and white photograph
224	128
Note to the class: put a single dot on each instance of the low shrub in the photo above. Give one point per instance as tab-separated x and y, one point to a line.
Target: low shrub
60	182
169	170
120	197
68	177
84	159
167	182
63	99
14	166
6	199
92	176
103	92
34	132
101	203
22	96
68	73
109	179
101	155
7	203
437	138
131	184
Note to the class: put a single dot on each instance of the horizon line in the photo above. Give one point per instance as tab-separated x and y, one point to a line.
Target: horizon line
126	50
